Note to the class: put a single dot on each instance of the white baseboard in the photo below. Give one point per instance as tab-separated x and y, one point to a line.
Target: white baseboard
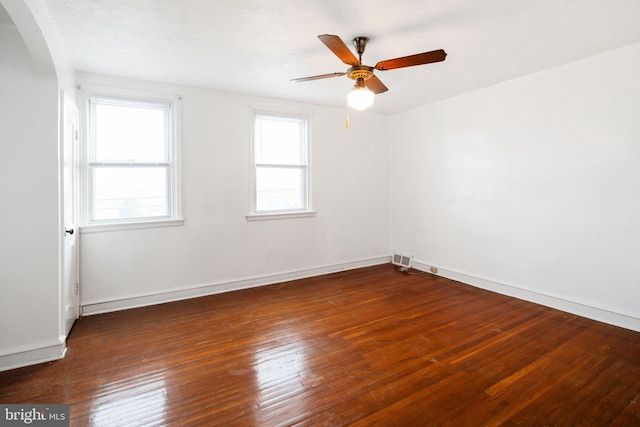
589	311
19	357
134	301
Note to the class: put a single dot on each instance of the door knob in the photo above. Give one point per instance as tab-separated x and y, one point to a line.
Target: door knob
69	231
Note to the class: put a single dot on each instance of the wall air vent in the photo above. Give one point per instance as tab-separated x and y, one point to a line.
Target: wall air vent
402	260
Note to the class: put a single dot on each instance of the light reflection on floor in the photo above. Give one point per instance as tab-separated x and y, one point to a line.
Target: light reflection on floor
280	371
143	404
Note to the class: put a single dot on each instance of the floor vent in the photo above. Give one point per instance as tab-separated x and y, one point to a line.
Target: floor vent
402	260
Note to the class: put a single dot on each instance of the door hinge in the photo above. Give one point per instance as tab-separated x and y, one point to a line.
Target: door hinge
77	288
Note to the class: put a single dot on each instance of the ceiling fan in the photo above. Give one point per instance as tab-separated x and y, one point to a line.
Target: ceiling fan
367	84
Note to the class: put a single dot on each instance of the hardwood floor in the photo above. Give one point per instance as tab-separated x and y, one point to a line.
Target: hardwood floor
367	347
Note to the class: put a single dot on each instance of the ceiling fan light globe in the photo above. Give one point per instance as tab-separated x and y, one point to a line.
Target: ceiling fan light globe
360	98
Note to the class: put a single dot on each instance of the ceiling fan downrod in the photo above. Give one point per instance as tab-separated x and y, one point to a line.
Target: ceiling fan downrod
360	43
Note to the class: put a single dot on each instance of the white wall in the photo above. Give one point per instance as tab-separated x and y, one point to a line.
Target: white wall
530	187
216	248
29	221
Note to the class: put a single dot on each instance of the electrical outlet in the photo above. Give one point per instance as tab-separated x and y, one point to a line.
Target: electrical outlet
434	270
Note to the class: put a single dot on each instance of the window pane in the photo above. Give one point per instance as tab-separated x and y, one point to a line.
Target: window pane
132	192
280	189
130	132
280	141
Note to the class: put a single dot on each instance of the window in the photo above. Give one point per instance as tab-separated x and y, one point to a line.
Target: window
131	163
280	159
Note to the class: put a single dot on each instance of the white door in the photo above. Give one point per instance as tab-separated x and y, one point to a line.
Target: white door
70	264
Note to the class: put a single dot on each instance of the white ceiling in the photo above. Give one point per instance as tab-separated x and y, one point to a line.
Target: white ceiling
256	46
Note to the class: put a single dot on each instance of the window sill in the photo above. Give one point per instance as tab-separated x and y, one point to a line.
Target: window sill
101	228
282	215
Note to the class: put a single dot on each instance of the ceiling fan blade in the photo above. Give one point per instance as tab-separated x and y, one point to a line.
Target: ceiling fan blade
337	46
318	77
375	85
411	60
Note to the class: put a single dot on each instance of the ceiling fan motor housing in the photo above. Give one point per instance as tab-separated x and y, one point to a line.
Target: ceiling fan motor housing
360	72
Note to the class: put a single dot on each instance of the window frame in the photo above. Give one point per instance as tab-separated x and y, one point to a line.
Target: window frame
172	163
307	210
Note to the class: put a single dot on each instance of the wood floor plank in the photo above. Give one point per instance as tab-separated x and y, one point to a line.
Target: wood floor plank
372	346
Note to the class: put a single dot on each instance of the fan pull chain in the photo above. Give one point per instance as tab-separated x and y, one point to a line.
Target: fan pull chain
347	120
